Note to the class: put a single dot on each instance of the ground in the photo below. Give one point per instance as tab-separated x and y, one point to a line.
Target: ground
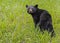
16	25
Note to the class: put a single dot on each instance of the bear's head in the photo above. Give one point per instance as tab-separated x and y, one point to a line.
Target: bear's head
32	9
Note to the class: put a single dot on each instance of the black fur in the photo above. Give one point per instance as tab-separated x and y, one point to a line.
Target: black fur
41	17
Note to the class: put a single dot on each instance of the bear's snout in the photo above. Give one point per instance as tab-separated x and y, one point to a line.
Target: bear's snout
30	11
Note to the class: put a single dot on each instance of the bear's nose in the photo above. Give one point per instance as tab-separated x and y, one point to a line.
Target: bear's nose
30	10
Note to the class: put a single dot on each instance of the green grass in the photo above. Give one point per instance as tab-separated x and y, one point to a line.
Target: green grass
16	25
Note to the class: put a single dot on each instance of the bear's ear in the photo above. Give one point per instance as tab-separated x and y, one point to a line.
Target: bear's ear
26	6
36	5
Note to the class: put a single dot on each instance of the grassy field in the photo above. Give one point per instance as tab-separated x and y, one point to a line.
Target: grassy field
16	25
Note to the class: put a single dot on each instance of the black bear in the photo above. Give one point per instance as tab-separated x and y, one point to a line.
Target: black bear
42	18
